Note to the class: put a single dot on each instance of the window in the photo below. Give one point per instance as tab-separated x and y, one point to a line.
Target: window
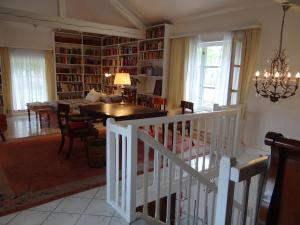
213	73
209	72
235	69
28	75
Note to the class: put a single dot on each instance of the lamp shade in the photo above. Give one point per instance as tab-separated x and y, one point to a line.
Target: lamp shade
122	79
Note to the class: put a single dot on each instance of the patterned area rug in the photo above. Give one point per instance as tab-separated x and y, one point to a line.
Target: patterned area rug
32	173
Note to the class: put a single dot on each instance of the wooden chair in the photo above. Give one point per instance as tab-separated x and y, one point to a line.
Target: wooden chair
3	126
73	126
186	107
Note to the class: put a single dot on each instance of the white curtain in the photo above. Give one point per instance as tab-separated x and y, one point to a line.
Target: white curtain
221	92
28	74
191	92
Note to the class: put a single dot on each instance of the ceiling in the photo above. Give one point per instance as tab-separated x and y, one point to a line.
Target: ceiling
148	11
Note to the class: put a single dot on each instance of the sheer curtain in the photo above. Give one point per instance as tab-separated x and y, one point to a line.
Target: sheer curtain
223	79
28	77
193	72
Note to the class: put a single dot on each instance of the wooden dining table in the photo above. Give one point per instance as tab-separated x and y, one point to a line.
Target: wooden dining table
120	112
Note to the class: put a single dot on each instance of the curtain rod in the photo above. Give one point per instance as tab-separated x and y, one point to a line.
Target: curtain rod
198	32
30	48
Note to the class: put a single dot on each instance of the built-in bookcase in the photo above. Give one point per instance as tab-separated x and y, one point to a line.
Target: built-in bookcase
83	62
1	90
153	62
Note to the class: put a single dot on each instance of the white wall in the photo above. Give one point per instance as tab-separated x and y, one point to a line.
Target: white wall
25	36
262	116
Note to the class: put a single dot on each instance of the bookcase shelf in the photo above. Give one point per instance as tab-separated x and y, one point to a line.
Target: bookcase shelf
83	59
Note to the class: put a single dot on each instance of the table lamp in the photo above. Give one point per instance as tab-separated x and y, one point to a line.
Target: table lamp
122	79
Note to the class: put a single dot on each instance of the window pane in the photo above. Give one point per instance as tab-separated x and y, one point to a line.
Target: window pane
211	76
238	53
235	80
213	55
233	99
208	97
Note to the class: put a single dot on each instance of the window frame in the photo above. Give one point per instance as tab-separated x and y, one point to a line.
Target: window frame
203	59
236	38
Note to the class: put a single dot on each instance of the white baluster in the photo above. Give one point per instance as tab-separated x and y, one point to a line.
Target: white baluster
146	171
123	170
117	168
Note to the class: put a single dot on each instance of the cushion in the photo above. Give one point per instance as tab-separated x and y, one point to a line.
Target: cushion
93	96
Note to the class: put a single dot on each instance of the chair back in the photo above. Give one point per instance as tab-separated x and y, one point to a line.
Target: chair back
63	111
159	103
187	106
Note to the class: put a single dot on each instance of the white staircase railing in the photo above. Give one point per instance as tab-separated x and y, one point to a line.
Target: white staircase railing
229	177
150	159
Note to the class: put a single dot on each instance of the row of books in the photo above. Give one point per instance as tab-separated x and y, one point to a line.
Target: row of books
92	79
128	49
128	61
65	77
152	45
76	70
92	61
68	60
92	52
64	50
92	70
67	87
110	51
151	55
110	70
155	32
110	41
131	71
110	62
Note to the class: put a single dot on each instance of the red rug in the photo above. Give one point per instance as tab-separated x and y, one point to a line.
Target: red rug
33	173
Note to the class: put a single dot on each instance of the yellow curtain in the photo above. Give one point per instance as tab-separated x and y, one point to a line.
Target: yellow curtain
178	68
251	41
6	79
50	74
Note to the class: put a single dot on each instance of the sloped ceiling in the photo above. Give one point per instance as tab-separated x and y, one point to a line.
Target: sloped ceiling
149	11
101	11
175	10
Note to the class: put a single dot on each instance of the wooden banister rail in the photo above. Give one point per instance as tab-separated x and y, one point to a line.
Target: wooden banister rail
280	201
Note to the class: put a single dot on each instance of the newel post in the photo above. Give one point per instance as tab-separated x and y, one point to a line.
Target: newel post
225	192
131	173
110	161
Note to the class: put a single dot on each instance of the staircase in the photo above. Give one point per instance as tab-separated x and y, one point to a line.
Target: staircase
180	169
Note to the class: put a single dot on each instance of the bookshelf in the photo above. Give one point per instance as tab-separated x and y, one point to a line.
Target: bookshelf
1	91
153	62
82	60
92	62
69	69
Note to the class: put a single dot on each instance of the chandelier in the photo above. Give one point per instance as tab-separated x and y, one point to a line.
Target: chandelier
277	82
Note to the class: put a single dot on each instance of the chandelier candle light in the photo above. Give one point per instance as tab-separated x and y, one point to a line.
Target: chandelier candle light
278	82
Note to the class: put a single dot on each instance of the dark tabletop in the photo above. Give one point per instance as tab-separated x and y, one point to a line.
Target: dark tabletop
121	112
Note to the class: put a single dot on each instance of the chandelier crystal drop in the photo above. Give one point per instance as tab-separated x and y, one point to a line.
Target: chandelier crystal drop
277	82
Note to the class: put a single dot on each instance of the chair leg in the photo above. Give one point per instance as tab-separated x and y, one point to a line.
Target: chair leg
70	148
2	136
62	142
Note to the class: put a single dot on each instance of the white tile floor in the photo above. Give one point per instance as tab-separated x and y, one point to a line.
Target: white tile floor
85	208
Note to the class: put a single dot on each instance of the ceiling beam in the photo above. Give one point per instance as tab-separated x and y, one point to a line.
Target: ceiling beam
56	22
128	14
61	4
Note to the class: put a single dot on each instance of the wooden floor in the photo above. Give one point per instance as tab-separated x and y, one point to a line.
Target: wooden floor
19	127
